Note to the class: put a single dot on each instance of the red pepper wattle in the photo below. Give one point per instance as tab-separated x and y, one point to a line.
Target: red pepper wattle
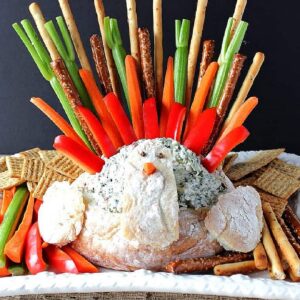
199	135
120	118
59	261
215	157
34	252
99	134
150	116
85	158
175	121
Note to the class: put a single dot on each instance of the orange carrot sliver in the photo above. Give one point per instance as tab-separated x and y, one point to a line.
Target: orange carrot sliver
15	246
100	107
168	96
57	119
201	96
135	98
240	116
80	262
7	197
4	272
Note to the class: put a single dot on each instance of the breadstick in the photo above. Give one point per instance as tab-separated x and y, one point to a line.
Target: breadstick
243	267
238	15
293	277
207	56
70	21
247	84
146	62
293	221
276	269
260	257
194	47
205	263
72	95
100	62
99	7
282	241
40	21
133	30
158	47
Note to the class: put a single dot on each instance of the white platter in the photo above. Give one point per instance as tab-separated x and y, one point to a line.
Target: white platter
256	286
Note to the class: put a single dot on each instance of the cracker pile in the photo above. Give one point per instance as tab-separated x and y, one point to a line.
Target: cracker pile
38	169
275	180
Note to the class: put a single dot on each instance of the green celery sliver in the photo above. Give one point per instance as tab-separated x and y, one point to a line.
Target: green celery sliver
225	66
182	34
37	51
68	55
17	269
226	40
11	219
114	42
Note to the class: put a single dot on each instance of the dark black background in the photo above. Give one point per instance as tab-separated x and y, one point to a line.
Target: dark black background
273	30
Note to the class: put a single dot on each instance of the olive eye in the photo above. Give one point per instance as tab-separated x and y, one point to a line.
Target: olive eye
160	155
143	154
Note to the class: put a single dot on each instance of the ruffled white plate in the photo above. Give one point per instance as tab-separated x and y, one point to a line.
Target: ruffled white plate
257	285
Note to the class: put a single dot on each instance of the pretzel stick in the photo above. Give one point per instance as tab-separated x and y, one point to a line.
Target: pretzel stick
293	221
72	95
194	47
237	15
260	257
158	47
100	62
243	267
146	62
205	263
99	7
276	269
247	84
40	21
70	21
133	30
282	241
207	56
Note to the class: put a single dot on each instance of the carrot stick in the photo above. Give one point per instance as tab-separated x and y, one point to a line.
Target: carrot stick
7	197
135	98
201	95
240	116
100	107
4	272
15	246
58	120
168	96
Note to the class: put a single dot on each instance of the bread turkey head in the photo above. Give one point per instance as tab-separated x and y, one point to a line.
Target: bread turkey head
150	205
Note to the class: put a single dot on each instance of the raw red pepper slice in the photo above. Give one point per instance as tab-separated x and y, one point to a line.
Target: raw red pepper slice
151	126
120	118
99	134
33	251
89	161
83	265
199	135
175	121
214	158
59	261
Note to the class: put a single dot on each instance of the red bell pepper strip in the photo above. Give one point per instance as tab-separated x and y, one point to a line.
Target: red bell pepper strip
175	121
59	261
150	119
87	160
33	251
99	134
214	158
120	118
199	135
81	263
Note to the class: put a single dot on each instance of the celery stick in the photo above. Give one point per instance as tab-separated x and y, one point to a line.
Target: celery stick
17	270
11	219
182	32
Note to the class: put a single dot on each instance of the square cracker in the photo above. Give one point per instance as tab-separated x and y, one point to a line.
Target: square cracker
47	155
228	162
32	170
3	164
261	159
277	183
31	186
278	204
7	182
30	154
14	166
282	166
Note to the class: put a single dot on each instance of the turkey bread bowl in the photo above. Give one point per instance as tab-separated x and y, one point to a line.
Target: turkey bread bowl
151	204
